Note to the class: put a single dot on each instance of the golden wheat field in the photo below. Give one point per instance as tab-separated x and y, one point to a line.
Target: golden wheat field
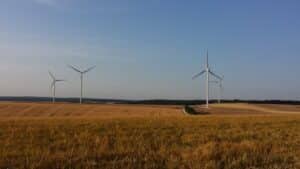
43	135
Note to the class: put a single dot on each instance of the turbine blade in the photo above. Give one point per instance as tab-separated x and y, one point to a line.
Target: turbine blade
207	58
89	69
52	84
52	76
199	74
60	80
221	83
74	68
218	77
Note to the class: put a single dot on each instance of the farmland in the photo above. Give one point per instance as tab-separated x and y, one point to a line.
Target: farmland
42	135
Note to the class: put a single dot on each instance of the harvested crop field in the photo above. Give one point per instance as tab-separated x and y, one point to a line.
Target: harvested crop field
10	109
42	135
249	109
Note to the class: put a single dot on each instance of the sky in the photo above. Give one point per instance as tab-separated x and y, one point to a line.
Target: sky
150	49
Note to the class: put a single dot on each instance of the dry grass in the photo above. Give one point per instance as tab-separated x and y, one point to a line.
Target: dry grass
162	138
21	110
250	109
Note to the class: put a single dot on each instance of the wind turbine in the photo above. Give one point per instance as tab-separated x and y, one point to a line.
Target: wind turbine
81	78
53	85
221	89
208	72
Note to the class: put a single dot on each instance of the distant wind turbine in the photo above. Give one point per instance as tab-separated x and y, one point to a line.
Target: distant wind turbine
208	72
53	85
221	88
81	78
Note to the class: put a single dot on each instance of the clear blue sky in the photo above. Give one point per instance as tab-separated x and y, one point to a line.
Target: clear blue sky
151	49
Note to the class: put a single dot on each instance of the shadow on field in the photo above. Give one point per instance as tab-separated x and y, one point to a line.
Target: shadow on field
191	111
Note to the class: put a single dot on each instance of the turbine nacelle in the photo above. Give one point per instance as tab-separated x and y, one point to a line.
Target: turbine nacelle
54	80
79	71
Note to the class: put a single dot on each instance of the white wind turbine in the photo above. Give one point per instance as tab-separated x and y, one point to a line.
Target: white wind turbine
81	78
53	85
221	88
208	72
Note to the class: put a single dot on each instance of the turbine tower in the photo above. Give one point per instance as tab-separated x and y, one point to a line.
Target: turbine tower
53	85
208	72
81	78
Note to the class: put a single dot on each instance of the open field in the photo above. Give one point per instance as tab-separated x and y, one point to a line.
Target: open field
41	135
250	109
11	109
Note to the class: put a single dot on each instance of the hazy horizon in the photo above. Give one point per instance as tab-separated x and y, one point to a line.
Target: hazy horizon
150	49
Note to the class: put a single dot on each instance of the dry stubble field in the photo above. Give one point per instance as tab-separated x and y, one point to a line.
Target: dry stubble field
41	135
